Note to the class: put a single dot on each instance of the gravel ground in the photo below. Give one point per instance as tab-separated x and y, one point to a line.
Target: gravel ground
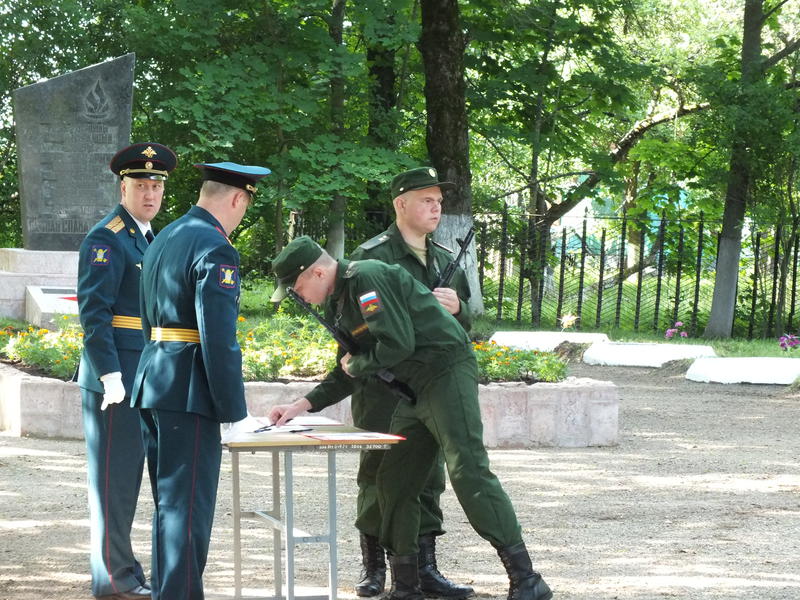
700	500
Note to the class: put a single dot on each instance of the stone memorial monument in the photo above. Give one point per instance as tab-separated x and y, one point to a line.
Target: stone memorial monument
67	130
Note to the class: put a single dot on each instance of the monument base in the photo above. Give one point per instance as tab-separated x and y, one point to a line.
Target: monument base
21	268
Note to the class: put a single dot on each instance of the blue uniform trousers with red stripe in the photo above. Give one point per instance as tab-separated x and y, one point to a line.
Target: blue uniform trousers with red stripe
115	449
183	462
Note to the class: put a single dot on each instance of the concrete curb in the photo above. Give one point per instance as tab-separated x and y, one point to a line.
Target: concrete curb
573	413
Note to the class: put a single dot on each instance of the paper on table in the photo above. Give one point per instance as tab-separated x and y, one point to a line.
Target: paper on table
356	435
314	421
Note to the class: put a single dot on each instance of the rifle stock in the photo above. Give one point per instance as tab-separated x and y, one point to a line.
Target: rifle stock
349	344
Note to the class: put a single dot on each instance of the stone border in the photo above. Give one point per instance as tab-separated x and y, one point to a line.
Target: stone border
574	413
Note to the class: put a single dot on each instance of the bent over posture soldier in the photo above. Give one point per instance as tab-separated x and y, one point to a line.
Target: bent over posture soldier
400	325
189	379
417	200
108	298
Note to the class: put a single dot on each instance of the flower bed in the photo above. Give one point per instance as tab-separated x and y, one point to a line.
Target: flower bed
282	347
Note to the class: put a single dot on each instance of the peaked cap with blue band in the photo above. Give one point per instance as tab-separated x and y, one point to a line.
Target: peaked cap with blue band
241	176
146	160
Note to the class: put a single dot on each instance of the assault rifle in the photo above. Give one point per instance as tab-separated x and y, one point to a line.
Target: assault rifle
445	276
349	344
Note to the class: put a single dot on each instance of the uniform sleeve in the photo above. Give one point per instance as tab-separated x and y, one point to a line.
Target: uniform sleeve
383	303
217	308
337	384
461	285
100	271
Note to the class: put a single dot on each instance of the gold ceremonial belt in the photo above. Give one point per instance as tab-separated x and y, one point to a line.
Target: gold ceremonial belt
123	322
173	334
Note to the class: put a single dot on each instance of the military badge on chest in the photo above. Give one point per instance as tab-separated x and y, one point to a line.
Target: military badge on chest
370	304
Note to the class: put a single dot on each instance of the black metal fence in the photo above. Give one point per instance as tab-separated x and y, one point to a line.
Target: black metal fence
642	274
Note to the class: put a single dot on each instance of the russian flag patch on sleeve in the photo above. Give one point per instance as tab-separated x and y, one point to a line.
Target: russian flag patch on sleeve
369	303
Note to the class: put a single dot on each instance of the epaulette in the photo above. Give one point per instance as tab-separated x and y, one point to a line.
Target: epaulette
116	224
438	245
351	269
374	242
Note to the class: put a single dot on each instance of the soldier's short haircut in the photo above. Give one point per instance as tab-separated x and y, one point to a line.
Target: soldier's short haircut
213	189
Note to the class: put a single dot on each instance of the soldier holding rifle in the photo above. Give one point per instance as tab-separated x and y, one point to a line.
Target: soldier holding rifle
401	326
417	200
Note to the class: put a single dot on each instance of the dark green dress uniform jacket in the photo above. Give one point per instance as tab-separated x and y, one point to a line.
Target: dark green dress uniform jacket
108	284
190	280
397	323
391	248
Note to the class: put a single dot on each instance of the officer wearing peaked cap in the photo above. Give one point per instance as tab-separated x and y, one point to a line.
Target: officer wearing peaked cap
108	296
189	378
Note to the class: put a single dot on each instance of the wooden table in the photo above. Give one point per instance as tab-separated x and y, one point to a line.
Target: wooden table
329	438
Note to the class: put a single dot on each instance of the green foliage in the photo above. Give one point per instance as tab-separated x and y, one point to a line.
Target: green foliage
501	363
284	346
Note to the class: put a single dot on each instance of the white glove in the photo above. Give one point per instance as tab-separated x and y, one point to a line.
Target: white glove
229	431
114	390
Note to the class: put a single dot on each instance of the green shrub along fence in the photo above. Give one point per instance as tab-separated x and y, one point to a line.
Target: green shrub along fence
641	274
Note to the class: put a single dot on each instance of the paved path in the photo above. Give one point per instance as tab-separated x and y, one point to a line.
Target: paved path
700	500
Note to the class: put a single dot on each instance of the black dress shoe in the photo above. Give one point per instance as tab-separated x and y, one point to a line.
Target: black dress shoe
137	593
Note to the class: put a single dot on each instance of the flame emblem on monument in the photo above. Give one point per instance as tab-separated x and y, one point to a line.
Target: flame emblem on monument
95	104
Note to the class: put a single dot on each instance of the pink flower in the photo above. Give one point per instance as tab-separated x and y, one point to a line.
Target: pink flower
678	323
684	334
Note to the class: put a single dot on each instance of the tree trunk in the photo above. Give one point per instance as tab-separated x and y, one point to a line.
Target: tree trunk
381	130
723	303
442	46
335	245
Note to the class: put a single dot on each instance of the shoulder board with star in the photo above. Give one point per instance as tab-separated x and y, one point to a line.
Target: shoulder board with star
116	224
438	245
375	242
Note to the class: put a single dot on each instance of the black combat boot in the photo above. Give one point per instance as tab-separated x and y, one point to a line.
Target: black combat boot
405	578
526	584
373	573
432	583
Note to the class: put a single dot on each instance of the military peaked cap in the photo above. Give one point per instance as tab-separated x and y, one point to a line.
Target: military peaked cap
241	176
146	160
296	257
418	179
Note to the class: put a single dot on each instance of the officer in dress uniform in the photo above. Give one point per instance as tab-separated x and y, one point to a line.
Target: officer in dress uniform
189	378
401	326
417	200
108	299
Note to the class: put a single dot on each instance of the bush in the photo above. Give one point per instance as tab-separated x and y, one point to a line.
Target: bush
501	363
283	346
56	353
